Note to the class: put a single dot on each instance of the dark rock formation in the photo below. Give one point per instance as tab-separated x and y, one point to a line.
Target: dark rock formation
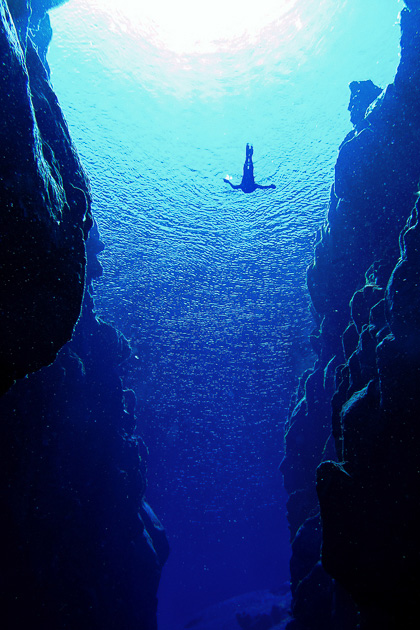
84	550
356	410
369	502
80	546
45	206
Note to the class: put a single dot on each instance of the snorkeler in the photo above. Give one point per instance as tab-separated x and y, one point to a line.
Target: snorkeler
248	184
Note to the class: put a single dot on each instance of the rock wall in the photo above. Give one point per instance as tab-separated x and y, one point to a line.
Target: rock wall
45	204
84	549
352	424
81	548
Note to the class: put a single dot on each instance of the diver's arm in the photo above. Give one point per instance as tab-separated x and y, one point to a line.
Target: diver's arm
264	187
235	186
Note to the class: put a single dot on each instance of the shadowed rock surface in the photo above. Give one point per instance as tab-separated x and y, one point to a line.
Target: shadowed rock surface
45	206
84	550
353	417
81	548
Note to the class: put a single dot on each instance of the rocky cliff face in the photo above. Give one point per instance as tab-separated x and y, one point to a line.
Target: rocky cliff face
353	423
81	548
84	550
44	200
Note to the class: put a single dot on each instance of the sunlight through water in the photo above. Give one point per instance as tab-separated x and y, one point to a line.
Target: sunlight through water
197	48
206	282
188	26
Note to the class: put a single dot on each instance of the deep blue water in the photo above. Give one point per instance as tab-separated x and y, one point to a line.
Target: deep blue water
207	283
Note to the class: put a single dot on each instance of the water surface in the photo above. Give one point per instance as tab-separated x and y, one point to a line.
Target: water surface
207	283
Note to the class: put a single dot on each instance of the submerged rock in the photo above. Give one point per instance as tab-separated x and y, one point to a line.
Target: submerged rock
259	610
45	202
84	549
362	399
80	546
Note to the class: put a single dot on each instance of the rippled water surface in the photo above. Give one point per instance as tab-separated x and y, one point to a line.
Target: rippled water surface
209	283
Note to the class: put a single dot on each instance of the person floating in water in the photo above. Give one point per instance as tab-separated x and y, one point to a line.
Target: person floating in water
248	184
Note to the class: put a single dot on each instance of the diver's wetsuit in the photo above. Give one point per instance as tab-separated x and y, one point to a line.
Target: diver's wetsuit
248	184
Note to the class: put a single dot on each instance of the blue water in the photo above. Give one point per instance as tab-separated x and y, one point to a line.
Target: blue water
207	283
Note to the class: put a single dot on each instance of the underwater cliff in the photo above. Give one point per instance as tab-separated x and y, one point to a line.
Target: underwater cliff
81	548
45	202
352	443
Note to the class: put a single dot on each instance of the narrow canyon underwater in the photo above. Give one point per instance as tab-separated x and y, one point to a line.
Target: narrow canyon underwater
209	399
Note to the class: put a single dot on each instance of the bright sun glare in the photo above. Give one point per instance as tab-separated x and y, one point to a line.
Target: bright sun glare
193	26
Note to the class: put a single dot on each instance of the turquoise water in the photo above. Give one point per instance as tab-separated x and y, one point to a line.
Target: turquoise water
209	283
